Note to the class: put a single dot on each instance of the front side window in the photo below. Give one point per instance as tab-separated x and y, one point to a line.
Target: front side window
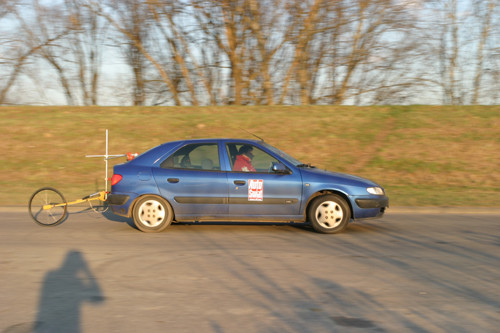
204	156
249	158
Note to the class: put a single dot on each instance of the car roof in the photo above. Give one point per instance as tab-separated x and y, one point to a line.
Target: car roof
214	140
154	153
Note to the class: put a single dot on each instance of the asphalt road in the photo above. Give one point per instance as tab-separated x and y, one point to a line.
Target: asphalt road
402	273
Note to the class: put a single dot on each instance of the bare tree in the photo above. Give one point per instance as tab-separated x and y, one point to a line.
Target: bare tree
372	41
270	29
224	22
483	12
197	52
449	53
86	43
467	34
213	58
26	45
134	17
306	19
172	36
119	21
491	70
6	7
244	38
50	21
348	51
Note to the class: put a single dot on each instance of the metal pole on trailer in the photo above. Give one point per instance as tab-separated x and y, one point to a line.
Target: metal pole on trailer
106	162
106	158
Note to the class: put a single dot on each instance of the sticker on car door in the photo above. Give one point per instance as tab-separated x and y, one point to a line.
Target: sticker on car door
255	190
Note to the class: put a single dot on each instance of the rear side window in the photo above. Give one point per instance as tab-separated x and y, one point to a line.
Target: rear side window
203	156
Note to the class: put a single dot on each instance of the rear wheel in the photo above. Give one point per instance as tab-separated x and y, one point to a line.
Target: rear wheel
329	214
48	207
152	214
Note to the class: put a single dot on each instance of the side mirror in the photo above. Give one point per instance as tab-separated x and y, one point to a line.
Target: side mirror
280	168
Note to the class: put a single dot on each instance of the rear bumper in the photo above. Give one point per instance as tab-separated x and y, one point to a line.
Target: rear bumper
117	199
119	204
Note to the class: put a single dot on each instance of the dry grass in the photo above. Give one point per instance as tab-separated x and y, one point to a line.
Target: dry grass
423	155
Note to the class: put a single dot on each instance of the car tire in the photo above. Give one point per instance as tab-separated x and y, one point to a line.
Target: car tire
152	214
329	214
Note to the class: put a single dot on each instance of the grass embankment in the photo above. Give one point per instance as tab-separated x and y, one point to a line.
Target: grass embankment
423	155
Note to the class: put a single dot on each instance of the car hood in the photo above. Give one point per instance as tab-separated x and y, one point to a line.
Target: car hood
314	174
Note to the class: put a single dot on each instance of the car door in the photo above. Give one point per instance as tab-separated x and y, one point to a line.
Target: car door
261	194
192	181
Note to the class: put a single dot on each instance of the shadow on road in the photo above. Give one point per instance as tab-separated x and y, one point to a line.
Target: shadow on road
63	293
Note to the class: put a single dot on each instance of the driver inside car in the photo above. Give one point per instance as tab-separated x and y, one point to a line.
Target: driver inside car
243	160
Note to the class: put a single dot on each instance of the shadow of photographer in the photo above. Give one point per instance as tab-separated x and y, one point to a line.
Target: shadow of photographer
64	292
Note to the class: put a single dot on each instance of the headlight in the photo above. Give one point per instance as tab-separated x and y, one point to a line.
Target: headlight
375	190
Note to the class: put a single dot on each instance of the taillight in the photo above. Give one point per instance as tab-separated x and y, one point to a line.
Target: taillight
131	156
116	179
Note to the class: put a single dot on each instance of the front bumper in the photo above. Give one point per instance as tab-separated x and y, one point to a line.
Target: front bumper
369	207
381	202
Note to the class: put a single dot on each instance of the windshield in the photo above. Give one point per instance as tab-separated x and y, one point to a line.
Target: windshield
283	155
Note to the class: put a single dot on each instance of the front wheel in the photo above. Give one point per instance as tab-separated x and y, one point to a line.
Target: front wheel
48	207
152	214
329	214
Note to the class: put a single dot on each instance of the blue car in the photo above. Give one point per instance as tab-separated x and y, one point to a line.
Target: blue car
239	181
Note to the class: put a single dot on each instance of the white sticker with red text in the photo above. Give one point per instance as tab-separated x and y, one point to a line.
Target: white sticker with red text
255	189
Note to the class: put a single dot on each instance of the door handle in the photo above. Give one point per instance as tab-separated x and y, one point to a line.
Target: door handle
173	180
239	182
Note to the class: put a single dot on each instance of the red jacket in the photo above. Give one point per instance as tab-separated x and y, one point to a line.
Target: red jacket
243	163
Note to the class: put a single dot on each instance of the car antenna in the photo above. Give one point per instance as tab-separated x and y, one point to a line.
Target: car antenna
258	137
